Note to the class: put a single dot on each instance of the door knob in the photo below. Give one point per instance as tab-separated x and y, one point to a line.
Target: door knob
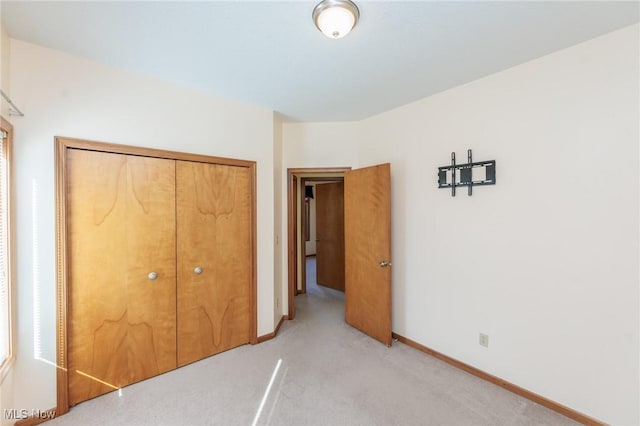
197	270
384	264
152	275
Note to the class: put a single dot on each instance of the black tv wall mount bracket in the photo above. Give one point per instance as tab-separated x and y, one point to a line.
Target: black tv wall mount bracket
469	174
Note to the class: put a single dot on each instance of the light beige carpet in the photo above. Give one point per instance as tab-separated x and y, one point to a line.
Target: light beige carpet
330	374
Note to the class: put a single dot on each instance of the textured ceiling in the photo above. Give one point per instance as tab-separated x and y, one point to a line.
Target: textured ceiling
270	53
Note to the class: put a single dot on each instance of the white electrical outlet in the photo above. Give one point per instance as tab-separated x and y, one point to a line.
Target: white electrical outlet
484	340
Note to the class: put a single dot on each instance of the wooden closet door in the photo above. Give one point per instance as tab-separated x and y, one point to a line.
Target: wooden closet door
151	247
121	227
213	234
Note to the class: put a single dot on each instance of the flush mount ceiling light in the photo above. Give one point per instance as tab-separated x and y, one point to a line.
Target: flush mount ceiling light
336	18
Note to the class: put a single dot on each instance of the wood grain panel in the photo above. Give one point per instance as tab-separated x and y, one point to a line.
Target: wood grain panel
151	247
292	246
330	235
368	242
89	145
121	226
214	233
97	212
62	284
137	339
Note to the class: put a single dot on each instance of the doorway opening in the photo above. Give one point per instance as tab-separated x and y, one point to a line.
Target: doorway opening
298	229
367	245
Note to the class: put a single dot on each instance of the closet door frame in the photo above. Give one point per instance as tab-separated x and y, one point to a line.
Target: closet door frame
62	144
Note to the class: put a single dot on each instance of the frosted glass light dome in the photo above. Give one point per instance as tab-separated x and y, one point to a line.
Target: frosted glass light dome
336	18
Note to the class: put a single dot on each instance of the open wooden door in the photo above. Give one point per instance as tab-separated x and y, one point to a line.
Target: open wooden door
367	224
330	235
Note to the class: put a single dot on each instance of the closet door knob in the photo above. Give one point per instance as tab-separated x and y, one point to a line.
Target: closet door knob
197	270
152	275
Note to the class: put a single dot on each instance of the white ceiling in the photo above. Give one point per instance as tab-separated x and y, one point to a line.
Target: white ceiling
269	53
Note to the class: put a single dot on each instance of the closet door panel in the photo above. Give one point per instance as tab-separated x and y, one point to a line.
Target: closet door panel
213	233
121	218
97	212
151	248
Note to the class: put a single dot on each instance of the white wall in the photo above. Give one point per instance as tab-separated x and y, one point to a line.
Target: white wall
5	51
279	209
546	261
67	96
320	144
